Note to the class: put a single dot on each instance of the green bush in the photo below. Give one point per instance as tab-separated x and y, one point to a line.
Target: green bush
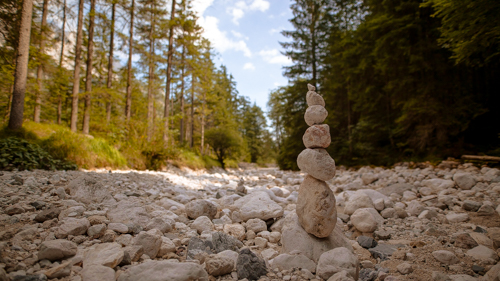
156	158
20	154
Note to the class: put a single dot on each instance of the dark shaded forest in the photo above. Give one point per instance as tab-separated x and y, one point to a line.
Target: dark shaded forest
403	80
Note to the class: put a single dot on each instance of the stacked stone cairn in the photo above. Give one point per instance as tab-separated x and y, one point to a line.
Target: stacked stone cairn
316	202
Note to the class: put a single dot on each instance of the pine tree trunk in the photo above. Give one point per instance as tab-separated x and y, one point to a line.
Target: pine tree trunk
181	99
128	103
150	116
169	71
76	74
191	141
39	72
203	125
110	63
21	73
88	80
61	57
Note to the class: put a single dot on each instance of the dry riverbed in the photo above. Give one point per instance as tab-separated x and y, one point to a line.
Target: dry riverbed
404	223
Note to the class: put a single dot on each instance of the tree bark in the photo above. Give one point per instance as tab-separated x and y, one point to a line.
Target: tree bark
21	73
203	124
110	63
88	80
191	142
181	98
169	71
61	57
76	73
150	115
39	72
128	103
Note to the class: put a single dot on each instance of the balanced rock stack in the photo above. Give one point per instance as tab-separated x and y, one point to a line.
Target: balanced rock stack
316	203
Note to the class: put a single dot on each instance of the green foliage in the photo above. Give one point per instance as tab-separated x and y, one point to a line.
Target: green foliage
20	154
225	142
390	87
470	29
158	157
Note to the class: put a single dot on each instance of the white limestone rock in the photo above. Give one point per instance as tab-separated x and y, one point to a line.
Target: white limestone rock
297	241
315	115
164	270
106	254
356	201
317	163
337	260
317	136
316	207
258	205
366	220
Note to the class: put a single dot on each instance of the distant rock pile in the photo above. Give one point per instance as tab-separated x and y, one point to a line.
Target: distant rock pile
316	202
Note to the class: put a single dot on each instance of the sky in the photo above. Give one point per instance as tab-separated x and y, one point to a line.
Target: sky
245	34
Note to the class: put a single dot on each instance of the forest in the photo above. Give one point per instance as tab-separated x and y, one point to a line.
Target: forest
403	80
171	102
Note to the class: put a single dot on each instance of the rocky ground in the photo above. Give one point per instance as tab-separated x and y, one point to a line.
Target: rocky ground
404	223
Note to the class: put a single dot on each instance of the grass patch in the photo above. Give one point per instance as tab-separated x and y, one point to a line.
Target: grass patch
62	144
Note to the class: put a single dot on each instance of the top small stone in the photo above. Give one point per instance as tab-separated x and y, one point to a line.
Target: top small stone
311	87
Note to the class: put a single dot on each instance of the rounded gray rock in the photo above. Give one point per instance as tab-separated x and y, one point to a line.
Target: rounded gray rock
317	136
316	207
56	249
201	207
314	98
315	114
317	163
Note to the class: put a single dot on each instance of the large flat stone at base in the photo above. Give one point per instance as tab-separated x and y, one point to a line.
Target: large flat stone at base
296	240
316	207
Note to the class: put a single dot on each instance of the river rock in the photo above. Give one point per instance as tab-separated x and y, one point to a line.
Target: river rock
258	205
217	265
366	220
317	163
313	98
295	239
288	262
106	254
315	114
317	136
464	180
150	241
56	249
249	265
48	214
357	201
89	189
445	257
316	207
201	224
98	273
256	225
71	226
201	207
128	212
336	260
164	270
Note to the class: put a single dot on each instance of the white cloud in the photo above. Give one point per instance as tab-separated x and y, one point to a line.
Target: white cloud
274	56
241	7
199	6
275	30
219	38
249	65
261	5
